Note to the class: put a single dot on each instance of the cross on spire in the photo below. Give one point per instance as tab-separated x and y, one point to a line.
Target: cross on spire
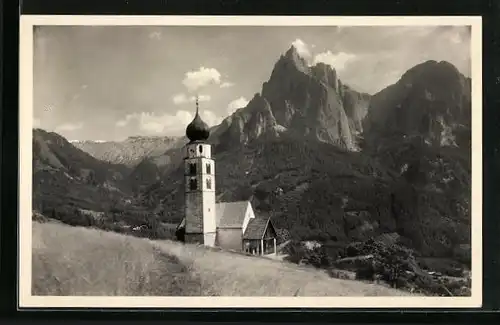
197	130
197	105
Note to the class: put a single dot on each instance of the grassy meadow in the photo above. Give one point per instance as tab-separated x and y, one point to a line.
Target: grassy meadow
81	262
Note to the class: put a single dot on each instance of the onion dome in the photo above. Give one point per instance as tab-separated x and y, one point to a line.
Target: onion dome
197	130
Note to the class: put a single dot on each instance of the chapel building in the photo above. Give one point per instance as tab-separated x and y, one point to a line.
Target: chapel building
228	225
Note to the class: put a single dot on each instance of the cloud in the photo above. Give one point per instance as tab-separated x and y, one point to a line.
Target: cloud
236	104
302	48
336	60
155	35
201	98
125	121
69	127
456	38
157	124
200	78
226	84
182	98
210	118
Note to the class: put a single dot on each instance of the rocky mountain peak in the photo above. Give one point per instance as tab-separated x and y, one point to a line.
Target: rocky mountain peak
258	103
248	123
432	100
433	72
308	102
327	74
292	60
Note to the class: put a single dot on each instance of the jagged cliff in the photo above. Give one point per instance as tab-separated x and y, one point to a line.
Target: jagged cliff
298	99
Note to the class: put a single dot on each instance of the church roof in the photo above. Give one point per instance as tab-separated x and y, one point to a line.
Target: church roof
256	228
197	130
182	224
228	214
231	214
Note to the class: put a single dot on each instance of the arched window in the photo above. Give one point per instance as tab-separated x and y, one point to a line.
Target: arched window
209	183
193	184
200	148
209	168
192	168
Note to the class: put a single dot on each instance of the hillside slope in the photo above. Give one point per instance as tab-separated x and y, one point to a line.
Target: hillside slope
65	175
102	263
282	176
79	261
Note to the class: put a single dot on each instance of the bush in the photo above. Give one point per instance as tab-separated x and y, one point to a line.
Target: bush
397	265
367	272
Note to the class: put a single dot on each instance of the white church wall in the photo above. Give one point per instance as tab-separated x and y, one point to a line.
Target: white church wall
195	150
230	238
203	166
200	200
249	214
209	220
209	239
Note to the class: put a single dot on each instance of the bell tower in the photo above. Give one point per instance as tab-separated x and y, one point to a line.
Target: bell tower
199	184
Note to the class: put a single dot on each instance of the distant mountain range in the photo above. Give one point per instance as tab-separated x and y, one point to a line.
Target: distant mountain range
129	151
324	161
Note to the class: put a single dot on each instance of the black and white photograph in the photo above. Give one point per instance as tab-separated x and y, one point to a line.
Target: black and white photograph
185	161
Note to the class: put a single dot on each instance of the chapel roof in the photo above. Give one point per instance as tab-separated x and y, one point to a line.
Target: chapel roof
256	228
228	214
182	224
231	214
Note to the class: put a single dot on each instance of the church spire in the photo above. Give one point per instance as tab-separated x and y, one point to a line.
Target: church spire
197	105
197	130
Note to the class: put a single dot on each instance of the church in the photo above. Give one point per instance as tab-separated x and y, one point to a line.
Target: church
228	225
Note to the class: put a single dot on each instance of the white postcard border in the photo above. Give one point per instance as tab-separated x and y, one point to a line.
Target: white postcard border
26	299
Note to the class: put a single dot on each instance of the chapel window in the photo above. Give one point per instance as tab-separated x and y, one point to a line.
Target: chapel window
209	168
200	148
209	183
193	184
192	168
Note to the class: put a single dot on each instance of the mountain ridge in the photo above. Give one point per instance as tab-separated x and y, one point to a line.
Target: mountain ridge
308	101
129	151
443	97
64	174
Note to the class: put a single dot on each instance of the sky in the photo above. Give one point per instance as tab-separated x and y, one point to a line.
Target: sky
111	82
